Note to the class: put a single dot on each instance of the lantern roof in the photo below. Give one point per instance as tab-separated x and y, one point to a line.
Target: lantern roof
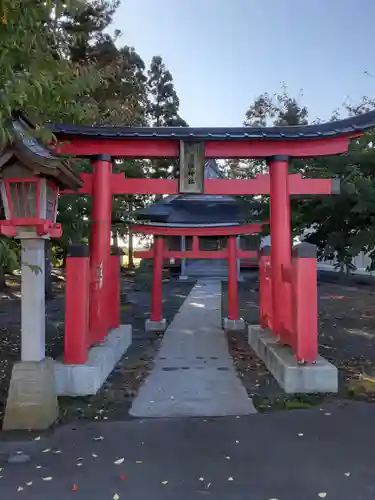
348	126
24	147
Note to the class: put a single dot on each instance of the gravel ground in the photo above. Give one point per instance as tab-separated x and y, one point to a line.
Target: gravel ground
346	338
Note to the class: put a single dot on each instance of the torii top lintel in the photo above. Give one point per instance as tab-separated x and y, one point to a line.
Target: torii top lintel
244	142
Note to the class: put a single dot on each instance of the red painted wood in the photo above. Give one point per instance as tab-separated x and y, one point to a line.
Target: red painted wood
267	148
183	254
100	247
197	231
113	292
157	280
232	279
280	238
305	309
76	310
196	243
201	254
124	148
260	185
265	292
247	254
167	148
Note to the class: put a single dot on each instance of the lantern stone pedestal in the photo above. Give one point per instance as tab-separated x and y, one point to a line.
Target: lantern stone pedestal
32	400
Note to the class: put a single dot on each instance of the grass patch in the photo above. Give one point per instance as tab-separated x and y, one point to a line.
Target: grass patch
364	385
296	402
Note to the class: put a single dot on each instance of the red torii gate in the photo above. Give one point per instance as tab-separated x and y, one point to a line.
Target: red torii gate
158	253
276	144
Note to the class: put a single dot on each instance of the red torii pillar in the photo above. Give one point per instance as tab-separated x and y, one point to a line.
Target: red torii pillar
281	244
233	320
100	244
157	323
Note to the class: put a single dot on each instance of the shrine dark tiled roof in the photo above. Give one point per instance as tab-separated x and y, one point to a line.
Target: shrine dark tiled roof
349	126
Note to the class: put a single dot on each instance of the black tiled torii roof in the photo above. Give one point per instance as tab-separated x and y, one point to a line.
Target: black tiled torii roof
352	125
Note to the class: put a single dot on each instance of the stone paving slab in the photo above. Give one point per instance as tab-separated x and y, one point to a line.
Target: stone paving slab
193	374
291	455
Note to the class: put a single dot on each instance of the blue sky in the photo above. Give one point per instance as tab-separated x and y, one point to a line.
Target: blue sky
223	53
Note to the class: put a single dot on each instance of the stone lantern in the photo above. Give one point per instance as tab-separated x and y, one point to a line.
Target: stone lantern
30	180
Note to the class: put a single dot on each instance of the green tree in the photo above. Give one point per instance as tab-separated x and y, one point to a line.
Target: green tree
162	111
35	74
344	224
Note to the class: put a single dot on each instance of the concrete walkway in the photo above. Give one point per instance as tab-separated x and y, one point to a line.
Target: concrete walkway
193	374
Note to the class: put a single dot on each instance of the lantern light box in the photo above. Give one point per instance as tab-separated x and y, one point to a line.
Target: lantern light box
30	179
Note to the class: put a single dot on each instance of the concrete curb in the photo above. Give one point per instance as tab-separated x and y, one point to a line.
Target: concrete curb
293	378
87	379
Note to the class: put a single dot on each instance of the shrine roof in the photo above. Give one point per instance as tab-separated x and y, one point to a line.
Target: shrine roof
185	210
347	126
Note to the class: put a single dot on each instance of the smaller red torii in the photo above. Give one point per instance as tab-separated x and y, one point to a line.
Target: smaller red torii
159	253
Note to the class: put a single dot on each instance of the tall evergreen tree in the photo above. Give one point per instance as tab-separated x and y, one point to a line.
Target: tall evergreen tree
162	111
164	104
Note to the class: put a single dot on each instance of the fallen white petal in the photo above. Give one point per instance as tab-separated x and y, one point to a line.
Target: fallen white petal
208	485
300	434
37	438
347	474
29	483
47	450
328	414
57	452
79	464
230	478
201	478
119	461
228	458
237	441
19	488
79	459
94	455
48	478
38	466
99	438
323	494
116	496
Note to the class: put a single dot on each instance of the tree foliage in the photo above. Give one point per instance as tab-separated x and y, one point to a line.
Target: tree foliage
59	64
340	225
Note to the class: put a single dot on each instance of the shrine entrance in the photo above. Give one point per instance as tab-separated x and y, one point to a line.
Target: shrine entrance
192	146
288	282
